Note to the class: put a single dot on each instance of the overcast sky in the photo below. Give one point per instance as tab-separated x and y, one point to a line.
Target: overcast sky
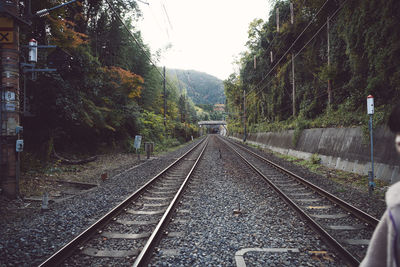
206	35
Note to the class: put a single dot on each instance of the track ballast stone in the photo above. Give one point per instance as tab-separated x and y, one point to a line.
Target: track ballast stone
29	241
213	234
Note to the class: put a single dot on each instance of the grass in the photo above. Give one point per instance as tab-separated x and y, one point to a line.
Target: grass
344	115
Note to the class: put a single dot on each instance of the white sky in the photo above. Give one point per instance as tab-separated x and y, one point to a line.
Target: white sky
206	35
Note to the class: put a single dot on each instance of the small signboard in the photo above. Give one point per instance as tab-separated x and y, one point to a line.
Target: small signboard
138	140
6	37
9	96
6	33
10	107
370	105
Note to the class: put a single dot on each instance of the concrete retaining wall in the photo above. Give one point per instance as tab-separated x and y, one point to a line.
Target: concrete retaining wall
339	148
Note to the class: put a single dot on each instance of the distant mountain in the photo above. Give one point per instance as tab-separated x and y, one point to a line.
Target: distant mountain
201	87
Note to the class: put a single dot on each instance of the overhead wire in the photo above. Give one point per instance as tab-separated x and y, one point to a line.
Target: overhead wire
287	51
318	31
166	14
318	96
137	42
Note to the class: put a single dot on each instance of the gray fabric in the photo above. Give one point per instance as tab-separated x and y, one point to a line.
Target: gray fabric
384	246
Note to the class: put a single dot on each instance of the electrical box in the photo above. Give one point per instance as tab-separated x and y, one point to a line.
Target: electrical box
33	50
19	146
370	105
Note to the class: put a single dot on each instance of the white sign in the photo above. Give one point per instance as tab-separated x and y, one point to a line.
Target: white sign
9	96
138	140
370	105
10	107
19	146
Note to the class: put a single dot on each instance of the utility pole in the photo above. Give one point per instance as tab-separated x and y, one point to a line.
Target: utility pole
329	64
277	19
165	105
291	13
10	129
293	88
9	96
244	115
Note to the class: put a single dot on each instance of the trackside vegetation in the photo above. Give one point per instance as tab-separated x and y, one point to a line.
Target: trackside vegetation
106	92
364	49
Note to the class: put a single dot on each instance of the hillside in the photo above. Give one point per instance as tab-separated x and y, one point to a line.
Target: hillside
201	87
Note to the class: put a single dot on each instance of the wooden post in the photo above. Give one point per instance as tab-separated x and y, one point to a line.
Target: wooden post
244	115
277	20
9	97
165	105
293	88
329	64
291	13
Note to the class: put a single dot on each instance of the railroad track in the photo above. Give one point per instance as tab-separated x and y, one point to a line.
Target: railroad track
128	234
343	226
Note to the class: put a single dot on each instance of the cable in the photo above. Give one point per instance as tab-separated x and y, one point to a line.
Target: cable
137	42
318	31
321	94
298	37
166	13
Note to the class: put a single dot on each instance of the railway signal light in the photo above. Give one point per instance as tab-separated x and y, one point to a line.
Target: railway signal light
33	51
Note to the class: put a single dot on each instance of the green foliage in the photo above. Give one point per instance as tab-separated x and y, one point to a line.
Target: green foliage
108	93
202	88
364	50
151	126
315	159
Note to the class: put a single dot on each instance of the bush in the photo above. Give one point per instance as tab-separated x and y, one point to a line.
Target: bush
315	159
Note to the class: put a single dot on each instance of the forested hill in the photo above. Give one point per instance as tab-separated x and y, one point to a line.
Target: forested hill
201	87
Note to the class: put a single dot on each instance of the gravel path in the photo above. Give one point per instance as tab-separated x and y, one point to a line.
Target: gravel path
29	240
213	234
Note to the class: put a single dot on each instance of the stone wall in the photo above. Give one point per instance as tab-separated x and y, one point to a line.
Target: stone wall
339	148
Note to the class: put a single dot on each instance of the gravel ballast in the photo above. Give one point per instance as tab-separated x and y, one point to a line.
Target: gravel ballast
227	210
29	240
372	205
214	232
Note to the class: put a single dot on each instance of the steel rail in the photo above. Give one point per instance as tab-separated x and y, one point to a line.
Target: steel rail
145	255
348	257
353	210
67	250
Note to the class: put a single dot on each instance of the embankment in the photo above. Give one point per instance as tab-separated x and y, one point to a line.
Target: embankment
339	148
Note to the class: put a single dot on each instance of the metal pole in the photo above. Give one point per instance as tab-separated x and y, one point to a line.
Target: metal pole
165	105
244	115
371	183
9	54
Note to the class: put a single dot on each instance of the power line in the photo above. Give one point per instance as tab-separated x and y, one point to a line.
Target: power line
287	51
136	41
321	94
166	13
318	31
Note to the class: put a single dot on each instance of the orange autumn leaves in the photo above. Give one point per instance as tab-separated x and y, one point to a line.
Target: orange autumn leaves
64	35
124	81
